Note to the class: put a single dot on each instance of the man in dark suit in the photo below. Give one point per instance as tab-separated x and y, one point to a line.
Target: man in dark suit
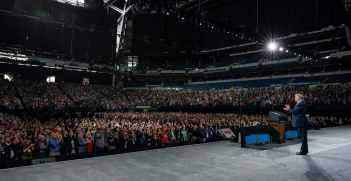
141	137
81	144
67	143
300	121
7	149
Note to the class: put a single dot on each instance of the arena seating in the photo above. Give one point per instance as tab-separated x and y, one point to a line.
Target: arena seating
173	84
278	64
309	79
134	84
201	87
268	82
284	56
154	83
341	78
228	85
173	74
177	66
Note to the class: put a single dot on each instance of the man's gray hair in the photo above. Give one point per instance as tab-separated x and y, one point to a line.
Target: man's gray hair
300	96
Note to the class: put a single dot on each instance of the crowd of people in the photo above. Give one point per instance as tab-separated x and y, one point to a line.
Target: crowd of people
33	137
95	96
41	95
252	97
137	97
158	97
62	96
8	97
322	95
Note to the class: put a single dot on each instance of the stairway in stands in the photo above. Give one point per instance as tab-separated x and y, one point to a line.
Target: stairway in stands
324	80
246	85
19	99
67	95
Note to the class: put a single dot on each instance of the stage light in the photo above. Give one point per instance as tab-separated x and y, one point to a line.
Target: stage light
287	51
281	49
272	46
200	24
167	13
182	18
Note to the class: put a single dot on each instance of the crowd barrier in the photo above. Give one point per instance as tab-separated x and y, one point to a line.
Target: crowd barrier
290	132
27	162
254	134
262	134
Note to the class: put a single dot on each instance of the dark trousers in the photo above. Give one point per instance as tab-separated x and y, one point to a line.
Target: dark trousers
303	137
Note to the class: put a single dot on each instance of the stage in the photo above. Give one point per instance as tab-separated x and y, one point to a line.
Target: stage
328	159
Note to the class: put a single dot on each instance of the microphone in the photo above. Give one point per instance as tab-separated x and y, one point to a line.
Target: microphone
273	107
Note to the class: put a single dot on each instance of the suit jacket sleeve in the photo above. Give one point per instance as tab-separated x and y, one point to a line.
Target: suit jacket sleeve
297	109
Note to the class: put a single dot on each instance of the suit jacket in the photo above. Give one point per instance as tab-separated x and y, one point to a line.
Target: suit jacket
170	136
140	138
154	141
299	115
67	144
122	140
7	150
81	145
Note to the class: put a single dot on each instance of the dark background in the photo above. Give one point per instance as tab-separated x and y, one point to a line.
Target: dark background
40	73
48	37
276	18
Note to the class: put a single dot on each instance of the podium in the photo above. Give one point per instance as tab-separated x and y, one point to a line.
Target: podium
277	121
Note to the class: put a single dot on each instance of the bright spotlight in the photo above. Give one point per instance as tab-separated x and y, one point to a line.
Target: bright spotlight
272	46
281	49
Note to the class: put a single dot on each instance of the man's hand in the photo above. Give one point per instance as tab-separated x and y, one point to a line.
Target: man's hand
287	107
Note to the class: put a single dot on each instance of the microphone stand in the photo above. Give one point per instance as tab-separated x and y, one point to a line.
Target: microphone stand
240	113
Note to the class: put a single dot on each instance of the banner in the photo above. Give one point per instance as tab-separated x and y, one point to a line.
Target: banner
226	133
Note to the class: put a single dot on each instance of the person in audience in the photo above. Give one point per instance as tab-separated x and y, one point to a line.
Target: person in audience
17	142
171	135
67	143
81	143
40	147
89	141
54	145
100	143
73	141
111	142
164	137
123	139
132	140
185	136
141	137
27	149
7	149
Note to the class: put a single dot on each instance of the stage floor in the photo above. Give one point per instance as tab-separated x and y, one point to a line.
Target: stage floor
328	159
